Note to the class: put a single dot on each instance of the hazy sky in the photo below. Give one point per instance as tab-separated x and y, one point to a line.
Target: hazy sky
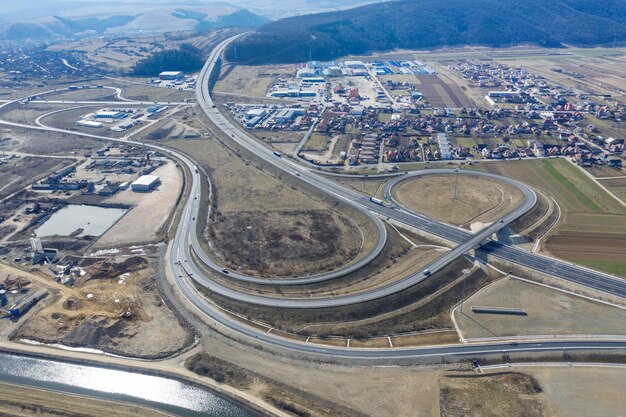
21	10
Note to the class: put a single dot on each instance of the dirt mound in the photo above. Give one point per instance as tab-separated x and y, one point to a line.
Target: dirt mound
72	304
98	332
109	270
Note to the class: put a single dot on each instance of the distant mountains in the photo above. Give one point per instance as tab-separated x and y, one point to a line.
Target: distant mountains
421	24
122	18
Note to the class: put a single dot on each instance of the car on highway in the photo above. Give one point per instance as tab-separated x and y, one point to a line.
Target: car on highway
426	272
224	270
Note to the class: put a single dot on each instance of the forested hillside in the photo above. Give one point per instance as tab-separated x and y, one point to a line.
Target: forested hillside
418	24
188	59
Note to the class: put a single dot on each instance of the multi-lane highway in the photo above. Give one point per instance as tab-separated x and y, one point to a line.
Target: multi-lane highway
465	240
184	269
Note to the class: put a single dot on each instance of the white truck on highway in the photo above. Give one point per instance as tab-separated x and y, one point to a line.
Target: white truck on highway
377	201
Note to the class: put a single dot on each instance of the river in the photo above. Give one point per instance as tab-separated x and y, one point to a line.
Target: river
160	393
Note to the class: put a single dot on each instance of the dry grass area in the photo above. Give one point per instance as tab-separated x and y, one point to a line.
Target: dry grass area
507	394
549	312
149	212
20	172
115	307
322	238
396	260
426	339
251	80
45	403
424	307
371	187
26	114
33	141
90	94
583	392
138	89
328	391
286	222
475	200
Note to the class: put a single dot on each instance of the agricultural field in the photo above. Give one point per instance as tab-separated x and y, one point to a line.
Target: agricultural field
616	185
441	93
592	230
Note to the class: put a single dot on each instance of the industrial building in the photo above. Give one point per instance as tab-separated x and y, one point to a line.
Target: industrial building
63	172
286	115
313	80
110	114
355	64
27	302
89	123
145	183
172	75
254	113
126	125
292	92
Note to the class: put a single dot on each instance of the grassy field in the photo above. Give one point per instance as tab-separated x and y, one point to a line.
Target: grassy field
592	228
549	312
476	200
601	394
507	394
316	143
251	80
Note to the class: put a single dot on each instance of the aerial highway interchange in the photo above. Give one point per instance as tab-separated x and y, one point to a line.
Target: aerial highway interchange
186	249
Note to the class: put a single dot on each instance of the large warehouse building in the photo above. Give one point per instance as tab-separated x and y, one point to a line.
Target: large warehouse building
145	183
110	114
172	75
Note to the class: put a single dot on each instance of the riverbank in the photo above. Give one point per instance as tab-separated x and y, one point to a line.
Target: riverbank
24	401
172	369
